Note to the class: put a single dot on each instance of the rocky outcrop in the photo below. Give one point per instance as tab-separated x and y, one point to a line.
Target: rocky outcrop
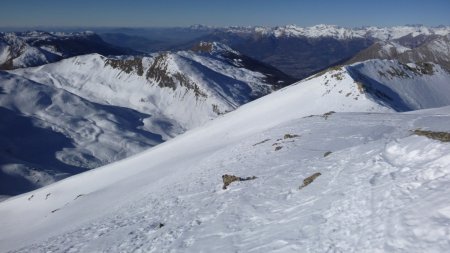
127	65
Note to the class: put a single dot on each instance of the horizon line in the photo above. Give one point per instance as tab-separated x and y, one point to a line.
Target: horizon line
213	26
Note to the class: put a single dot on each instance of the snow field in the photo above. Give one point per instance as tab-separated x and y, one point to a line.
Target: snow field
381	190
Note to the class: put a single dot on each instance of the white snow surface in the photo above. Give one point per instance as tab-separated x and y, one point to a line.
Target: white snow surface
382	189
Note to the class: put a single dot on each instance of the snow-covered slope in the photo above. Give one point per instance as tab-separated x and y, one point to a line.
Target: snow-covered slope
26	49
94	110
402	87
381	188
379	85
49	133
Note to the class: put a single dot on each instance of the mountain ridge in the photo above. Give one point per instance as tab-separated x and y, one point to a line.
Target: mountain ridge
101	109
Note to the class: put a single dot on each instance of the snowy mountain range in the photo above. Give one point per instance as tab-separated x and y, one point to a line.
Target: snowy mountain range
303	51
342	33
380	184
90	110
297	51
28	49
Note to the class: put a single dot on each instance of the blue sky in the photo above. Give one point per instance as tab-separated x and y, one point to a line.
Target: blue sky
140	13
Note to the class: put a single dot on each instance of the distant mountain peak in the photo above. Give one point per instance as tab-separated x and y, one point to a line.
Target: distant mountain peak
34	48
200	27
213	48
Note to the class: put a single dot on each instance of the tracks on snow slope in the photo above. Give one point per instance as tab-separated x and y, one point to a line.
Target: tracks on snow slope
373	195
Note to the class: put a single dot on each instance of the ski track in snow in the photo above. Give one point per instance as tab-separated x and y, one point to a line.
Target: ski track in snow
381	190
